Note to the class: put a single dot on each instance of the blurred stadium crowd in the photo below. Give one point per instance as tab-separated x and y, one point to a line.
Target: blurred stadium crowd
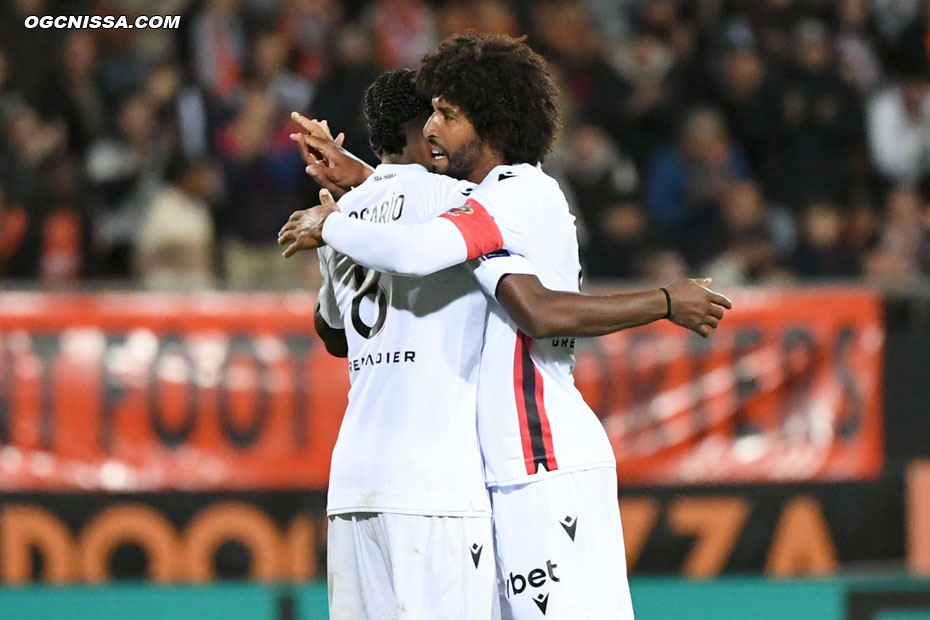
750	140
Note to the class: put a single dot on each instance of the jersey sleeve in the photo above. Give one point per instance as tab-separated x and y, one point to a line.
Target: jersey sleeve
495	217
490	268
417	250
326	300
479	230
443	193
462	233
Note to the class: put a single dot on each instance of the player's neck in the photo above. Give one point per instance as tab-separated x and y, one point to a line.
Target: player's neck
487	162
398	159
409	155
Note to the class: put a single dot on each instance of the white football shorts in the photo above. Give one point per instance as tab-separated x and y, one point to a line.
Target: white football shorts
560	552
386	566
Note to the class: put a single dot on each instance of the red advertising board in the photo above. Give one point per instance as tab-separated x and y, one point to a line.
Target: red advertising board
787	389
144	391
210	391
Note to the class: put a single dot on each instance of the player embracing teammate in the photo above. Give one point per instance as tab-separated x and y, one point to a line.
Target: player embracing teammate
548	464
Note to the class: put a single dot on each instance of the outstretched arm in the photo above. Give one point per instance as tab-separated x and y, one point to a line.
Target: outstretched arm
414	250
543	313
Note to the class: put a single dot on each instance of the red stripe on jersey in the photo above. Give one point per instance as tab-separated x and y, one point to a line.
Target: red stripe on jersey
520	399
544	421
535	433
478	228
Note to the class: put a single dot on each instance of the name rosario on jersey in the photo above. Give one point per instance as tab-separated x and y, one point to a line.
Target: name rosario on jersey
389	210
389	357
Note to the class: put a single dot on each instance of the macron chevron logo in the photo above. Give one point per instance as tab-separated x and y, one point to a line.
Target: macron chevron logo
542	602
476	553
568	524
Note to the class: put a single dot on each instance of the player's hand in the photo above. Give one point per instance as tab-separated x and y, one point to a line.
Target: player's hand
318	129
330	165
304	229
696	307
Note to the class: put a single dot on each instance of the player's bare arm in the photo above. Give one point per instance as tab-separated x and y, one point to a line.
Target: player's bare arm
543	313
539	311
333	339
328	163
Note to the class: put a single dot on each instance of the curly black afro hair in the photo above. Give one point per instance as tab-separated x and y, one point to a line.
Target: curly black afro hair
504	88
390	103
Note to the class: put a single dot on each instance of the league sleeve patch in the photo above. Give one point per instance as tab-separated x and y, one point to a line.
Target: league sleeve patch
498	254
477	227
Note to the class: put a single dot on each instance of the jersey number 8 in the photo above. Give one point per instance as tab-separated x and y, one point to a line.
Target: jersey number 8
367	284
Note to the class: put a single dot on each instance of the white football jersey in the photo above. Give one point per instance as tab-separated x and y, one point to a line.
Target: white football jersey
408	442
532	420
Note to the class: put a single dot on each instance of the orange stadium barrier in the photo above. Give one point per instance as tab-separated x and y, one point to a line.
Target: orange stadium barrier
213	391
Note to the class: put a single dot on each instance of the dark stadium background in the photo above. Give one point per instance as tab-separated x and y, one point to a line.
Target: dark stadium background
781	147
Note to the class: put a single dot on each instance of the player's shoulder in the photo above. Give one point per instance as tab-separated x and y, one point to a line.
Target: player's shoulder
440	193
387	179
515	185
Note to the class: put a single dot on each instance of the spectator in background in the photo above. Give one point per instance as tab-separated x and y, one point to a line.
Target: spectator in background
591	84
404	31
122	68
819	123
64	228
901	245
263	176
183	108
745	94
48	240
269	70
10	98
74	94
125	170
857	53
899	129
824	250
32	143
30	58
664	262
219	47
625	237
161	90
687	181
648	108
339	96
603	186
756	239
175	244
305	27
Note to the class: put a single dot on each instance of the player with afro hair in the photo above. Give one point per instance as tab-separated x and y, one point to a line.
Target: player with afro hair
503	87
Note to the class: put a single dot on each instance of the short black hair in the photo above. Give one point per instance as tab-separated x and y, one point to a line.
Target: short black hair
505	89
390	103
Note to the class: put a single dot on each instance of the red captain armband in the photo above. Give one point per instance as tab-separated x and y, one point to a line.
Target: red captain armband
478	228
